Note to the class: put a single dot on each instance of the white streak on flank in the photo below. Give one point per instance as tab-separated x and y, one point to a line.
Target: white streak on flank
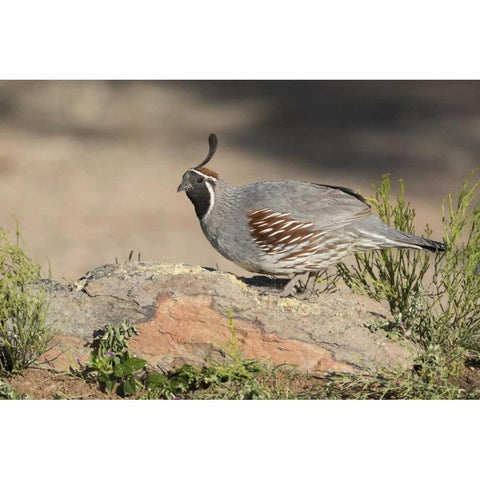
271	215
266	230
366	236
284	238
374	235
277	222
367	240
302	225
303	245
307	236
297	226
295	239
287	224
288	248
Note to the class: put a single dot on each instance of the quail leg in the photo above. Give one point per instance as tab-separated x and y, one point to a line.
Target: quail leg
309	288
290	289
301	286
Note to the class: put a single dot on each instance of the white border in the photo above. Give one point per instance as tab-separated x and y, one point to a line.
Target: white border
246	40
235	439
55	39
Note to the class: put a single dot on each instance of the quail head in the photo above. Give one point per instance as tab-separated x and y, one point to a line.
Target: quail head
288	227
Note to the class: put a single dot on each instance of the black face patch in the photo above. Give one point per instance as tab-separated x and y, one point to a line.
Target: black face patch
199	189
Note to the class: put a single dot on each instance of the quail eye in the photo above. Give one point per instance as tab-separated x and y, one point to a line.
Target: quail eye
200	180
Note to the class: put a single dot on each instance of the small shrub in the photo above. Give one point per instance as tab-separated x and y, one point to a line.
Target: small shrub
238	379
391	274
7	393
24	332
111	361
441	314
242	381
431	379
453	298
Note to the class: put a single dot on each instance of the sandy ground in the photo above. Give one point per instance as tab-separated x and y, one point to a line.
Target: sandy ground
90	169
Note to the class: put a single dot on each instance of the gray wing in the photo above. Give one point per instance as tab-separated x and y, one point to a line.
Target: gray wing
325	207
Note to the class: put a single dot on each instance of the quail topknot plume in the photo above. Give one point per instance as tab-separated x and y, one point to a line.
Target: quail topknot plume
288	227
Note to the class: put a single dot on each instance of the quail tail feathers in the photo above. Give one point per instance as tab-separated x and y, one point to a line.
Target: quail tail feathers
374	234
413	241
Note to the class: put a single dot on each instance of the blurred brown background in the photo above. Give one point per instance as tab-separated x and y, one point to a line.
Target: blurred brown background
90	169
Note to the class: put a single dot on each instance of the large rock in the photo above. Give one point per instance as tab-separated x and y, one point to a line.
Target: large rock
183	315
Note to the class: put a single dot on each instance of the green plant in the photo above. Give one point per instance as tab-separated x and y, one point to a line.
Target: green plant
391	274
453	300
239	378
25	334
441	313
326	281
112	362
431	379
7	393
247	380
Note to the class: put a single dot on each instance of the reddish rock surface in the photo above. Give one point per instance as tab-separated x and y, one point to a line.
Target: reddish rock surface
183	315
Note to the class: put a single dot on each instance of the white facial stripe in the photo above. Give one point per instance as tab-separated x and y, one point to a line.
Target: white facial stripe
212	198
206	177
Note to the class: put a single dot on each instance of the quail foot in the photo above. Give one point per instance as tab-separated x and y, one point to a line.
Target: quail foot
288	228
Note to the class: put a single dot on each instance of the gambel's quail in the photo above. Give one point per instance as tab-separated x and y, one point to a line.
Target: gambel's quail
288	227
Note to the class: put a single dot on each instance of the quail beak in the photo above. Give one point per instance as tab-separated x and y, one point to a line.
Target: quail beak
182	187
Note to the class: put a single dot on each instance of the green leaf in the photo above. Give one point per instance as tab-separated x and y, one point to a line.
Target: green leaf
109	384
133	365
129	387
156	380
119	371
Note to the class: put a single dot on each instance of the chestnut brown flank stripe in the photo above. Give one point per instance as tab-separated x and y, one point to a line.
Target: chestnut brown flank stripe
275	231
